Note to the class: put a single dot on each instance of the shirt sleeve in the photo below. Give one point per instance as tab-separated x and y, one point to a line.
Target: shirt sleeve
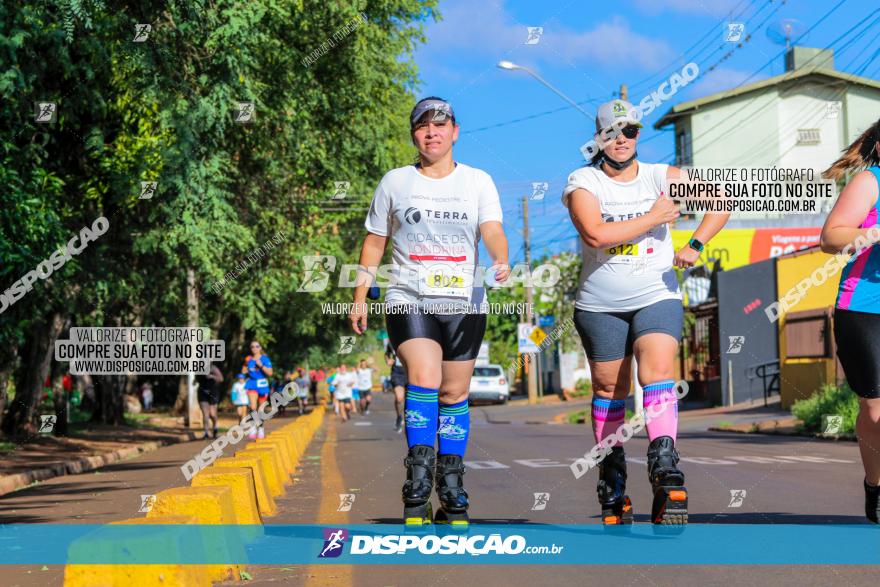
660	176
578	179
489	201
266	361
378	217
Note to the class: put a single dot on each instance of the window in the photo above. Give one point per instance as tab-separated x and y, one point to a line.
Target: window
487	372
808	136
683	148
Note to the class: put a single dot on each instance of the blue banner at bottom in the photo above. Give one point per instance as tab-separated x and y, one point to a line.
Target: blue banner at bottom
383	544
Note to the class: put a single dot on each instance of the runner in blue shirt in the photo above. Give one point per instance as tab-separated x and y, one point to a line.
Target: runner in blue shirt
257	367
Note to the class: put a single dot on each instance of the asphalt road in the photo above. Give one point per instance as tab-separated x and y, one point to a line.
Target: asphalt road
515	451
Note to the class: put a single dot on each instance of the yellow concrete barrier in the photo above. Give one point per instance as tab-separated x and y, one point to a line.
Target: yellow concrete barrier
265	499
209	505
240	481
279	445
277	457
140	575
289	442
274	476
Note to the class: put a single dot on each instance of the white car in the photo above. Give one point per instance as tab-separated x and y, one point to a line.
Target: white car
489	384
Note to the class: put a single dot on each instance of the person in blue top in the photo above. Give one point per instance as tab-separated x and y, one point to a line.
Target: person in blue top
852	228
258	368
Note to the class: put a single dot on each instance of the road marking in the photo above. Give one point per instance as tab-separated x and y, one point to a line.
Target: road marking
328	514
544	463
484	465
363	423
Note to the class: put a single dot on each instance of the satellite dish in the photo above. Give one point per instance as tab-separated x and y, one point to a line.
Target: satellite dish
783	31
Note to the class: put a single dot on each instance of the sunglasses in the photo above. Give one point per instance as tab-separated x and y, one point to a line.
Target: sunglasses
255	346
630	131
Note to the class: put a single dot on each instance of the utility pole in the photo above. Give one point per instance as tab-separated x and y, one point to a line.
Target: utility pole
530	364
624	92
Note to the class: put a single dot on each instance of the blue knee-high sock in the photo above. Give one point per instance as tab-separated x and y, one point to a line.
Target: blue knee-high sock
420	409
455	424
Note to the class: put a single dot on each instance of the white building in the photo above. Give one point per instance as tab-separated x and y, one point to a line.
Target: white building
802	118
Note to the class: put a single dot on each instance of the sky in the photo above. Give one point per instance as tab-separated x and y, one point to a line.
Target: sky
587	49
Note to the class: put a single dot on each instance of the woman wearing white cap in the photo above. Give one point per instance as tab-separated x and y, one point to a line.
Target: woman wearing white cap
434	214
629	304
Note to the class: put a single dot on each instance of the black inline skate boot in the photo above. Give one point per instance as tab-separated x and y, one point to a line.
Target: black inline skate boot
453	497
670	494
419	483
616	505
872	497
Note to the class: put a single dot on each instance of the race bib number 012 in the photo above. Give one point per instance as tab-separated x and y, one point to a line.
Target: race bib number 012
628	253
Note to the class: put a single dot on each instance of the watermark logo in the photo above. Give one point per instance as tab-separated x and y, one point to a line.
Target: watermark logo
626	431
639	266
56	260
147	503
346	500
539	190
665	91
449	430
735	344
340	190
441	113
832	109
534	35
266	411
333	542
318	268
734	32
541	501
45	112
148	190
737	496
245	113
821	274
47	423
346	344
142	32
832	423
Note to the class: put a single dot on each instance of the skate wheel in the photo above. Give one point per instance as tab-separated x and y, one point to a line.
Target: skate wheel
424	520
670	506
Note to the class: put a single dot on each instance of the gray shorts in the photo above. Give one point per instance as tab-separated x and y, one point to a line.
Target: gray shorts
609	336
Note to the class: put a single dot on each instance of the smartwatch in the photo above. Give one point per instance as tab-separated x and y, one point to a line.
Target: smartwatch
696	245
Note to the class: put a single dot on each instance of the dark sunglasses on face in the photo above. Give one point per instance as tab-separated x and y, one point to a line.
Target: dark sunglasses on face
630	131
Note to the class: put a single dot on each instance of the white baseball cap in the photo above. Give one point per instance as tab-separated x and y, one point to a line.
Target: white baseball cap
615	110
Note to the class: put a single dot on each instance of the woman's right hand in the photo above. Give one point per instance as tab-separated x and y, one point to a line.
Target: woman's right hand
358	317
664	210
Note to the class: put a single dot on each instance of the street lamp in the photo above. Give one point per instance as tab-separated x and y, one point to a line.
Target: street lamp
510	66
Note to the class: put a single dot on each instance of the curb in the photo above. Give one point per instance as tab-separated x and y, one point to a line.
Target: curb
207	502
10	483
788	432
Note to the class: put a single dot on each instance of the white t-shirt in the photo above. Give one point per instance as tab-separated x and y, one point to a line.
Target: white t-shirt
635	274
344	383
365	379
434	225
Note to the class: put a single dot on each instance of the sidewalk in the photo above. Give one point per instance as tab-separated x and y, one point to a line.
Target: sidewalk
90	447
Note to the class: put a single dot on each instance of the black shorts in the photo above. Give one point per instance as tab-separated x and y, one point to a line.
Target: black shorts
459	335
858	348
208	395
398	376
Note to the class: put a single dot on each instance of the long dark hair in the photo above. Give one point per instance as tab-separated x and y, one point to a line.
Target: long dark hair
861	154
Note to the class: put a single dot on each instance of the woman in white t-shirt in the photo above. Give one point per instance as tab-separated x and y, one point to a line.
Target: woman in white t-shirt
434	214
629	305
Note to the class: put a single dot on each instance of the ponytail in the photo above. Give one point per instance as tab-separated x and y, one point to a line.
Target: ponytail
860	154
